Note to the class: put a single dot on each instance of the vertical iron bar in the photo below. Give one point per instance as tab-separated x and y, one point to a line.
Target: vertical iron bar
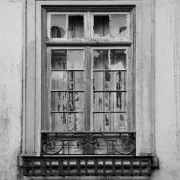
113	167
78	168
68	167
149	167
140	167
33	170
86	170
122	168
96	166
131	167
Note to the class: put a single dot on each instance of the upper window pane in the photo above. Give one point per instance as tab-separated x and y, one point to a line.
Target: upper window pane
66	26
76	27
111	26
58	26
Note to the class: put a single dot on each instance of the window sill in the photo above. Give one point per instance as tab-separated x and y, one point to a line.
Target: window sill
88	165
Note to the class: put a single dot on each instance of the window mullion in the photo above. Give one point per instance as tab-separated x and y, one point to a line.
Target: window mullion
87	91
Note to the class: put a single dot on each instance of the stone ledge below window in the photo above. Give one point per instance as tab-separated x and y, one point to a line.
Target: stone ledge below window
88	165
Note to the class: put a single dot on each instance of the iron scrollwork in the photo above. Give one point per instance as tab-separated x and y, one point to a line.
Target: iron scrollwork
88	143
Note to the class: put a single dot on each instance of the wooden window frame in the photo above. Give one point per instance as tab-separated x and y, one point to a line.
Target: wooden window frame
144	68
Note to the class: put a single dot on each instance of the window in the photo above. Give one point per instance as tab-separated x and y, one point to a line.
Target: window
89	87
85	99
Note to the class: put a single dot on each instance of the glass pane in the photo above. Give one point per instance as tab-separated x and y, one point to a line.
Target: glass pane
67	121
118	25
119	122
59	121
100	59
59	101
98	102
101	122
76	80
118	59
58	26
101	26
75	59
117	101
101	101
58	60
59	80
98	81
109	101
110	122
115	80
75	121
109	80
76	101
76	26
98	122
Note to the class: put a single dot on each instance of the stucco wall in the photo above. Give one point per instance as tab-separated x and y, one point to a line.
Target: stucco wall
167	68
10	87
167	84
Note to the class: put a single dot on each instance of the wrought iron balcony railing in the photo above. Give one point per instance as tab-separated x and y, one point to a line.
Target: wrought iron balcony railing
88	143
88	154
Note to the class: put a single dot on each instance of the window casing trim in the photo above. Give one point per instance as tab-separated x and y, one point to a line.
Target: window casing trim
144	73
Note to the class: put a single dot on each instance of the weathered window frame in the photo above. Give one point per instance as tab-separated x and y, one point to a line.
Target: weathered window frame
144	78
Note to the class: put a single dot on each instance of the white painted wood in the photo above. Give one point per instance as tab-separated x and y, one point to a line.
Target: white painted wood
38	69
90	2
24	79
145	77
30	79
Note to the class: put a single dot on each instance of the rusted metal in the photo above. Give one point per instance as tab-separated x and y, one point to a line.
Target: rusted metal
88	143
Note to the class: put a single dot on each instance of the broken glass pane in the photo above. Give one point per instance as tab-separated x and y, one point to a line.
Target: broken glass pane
118	25
76	26
117	59
58	26
101	26
111	26
100	59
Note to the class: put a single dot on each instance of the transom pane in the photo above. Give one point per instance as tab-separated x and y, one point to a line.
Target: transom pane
66	25
111	26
